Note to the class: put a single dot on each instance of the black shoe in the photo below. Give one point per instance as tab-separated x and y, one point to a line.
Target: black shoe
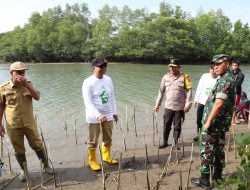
195	138
164	145
201	182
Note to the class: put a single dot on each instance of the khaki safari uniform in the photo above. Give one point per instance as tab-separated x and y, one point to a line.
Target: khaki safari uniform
20	121
178	90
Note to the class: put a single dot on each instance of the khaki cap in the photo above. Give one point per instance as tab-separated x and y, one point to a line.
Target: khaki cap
18	66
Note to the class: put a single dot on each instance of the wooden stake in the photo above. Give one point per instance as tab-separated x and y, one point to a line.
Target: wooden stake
75	132
127	118
134	121
1	144
165	168
147	115
65	124
119	172
183	150
180	186
41	172
189	169
148	184
28	183
156	122
10	168
124	144
103	172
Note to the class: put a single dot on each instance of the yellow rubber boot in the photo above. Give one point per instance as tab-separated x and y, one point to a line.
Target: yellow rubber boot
92	160
106	155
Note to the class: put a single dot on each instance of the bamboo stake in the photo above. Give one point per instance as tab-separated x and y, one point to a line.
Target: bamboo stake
103	172
180	186
122	127
189	169
9	181
199	136
119	172
75	132
59	180
41	172
28	183
228	148
183	150
158	150
235	151
124	144
133	158
211	175
65	124
154	137
10	168
43	141
148	184
146	151
50	160
156	122
127	118
147	115
1	138
45	181
134	121
165	168
157	185
248	126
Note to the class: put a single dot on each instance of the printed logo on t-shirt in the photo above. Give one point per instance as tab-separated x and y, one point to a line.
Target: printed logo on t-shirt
208	91
104	97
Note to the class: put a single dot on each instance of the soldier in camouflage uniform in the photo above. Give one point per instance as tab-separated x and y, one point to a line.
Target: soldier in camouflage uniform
216	120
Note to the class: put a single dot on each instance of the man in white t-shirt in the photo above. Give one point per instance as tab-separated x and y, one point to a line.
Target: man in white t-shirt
205	85
99	100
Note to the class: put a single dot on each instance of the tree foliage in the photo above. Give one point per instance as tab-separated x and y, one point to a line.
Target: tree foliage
69	34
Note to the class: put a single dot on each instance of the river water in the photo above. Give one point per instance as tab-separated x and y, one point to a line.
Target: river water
136	88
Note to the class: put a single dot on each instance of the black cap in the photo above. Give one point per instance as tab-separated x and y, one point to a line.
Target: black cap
174	63
98	61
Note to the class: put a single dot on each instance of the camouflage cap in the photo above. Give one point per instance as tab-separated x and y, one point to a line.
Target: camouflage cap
220	58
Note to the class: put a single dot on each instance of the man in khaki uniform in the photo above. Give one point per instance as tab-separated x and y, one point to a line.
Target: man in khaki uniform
178	89
16	104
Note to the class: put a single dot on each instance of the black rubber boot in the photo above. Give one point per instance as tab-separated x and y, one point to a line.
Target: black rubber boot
165	138
21	158
41	155
203	182
217	176
176	137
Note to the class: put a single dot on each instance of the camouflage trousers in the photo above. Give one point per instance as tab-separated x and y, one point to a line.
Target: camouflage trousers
212	151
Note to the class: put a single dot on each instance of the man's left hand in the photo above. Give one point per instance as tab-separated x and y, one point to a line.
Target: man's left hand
115	118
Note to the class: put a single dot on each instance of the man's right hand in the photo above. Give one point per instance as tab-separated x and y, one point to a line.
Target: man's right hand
156	108
102	118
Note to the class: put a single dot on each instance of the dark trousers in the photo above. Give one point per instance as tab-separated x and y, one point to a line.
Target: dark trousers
199	113
172	117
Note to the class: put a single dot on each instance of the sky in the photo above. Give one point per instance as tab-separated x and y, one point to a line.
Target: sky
18	12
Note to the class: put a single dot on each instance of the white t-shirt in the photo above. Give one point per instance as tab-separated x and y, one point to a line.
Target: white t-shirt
204	88
99	99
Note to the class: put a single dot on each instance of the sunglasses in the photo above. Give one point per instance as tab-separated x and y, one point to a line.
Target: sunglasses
20	72
218	64
102	66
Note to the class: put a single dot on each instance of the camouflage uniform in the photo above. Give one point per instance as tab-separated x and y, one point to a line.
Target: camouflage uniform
213	140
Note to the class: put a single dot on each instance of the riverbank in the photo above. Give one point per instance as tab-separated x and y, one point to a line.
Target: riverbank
69	161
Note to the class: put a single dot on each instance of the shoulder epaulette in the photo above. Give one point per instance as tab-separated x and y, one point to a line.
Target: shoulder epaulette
4	84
